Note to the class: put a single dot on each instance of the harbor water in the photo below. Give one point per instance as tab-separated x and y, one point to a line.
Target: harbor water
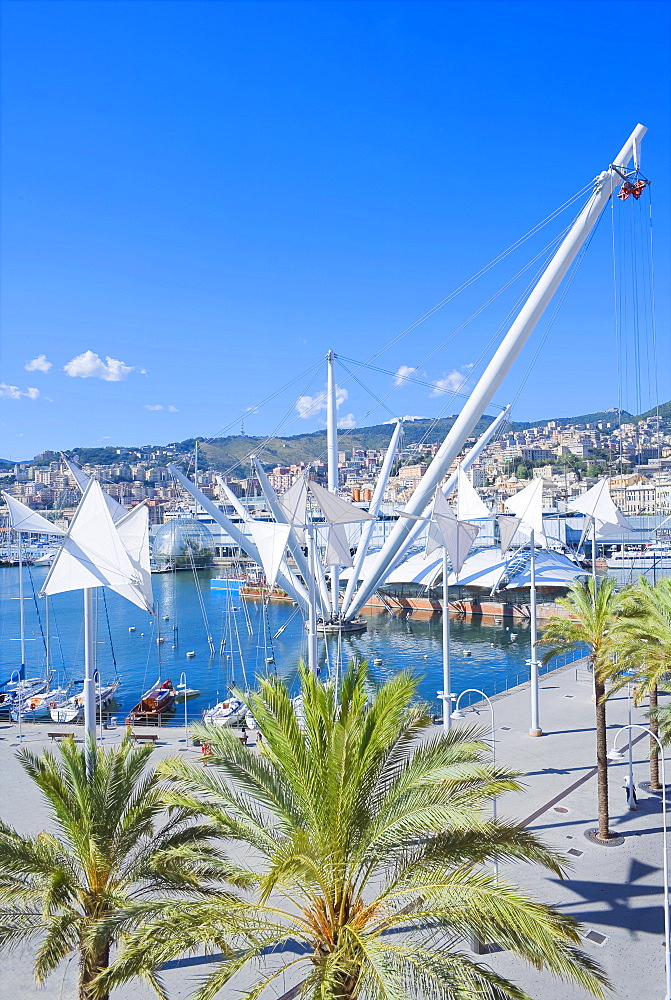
234	640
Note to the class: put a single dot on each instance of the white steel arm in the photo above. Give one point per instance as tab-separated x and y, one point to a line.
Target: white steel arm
501	363
285	577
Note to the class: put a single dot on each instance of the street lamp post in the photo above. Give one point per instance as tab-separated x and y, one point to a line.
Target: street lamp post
182	687
456	715
617	755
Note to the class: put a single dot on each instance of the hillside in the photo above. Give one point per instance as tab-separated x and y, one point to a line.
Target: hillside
232	453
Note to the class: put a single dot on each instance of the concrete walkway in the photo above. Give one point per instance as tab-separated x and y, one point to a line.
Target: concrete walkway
616	892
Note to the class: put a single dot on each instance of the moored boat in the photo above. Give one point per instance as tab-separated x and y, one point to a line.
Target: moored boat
72	709
15	692
225	713
158	699
39	705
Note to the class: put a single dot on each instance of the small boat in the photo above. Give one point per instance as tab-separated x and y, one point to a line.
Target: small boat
39	704
166	618
21	691
72	709
160	639
158	699
191	654
132	628
226	713
184	693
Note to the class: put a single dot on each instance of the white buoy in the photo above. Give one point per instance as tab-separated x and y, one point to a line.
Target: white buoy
132	628
160	639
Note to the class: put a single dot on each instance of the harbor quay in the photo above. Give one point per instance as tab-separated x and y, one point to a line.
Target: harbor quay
615	892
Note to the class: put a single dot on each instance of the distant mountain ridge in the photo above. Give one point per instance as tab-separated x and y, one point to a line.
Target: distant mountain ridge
232	453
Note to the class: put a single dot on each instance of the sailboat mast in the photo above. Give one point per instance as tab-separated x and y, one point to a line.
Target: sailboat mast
332	458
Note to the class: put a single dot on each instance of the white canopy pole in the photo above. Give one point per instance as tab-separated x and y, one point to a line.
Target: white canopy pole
447	680
502	361
332	459
285	578
374	509
312	605
535	728
89	692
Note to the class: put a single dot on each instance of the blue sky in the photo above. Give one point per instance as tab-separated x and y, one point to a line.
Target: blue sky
200	199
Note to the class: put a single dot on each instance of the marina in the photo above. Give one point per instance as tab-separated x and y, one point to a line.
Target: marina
495	660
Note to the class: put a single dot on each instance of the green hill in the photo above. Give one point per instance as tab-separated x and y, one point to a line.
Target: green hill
232	454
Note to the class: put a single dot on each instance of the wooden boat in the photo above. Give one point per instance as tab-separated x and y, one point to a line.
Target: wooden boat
158	699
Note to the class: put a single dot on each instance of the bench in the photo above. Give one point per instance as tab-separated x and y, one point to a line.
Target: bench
59	736
144	737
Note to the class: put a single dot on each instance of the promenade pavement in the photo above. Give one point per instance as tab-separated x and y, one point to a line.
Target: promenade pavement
616	892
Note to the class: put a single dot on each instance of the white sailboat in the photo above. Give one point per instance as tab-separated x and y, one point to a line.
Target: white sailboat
72	709
228	712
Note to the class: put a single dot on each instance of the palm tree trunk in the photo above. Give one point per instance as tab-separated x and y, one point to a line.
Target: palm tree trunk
654	750
90	965
601	759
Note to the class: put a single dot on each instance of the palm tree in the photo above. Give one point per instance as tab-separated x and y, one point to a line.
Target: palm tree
645	626
370	849
593	615
113	854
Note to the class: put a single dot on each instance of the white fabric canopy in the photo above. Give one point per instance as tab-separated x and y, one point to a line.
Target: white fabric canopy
233	500
552	570
470	506
270	540
117	510
456	536
133	530
22	518
338	550
528	506
507	530
335	510
484	568
598	504
93	554
293	502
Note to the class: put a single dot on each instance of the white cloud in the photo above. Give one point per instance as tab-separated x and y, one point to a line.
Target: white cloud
406	418
310	406
403	373
13	392
172	409
454	381
347	422
153	406
38	364
91	365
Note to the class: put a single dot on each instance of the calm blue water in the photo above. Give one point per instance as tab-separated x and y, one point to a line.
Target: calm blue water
496	658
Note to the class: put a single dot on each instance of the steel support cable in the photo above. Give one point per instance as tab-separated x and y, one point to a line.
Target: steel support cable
555	312
466	284
543	255
426	315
